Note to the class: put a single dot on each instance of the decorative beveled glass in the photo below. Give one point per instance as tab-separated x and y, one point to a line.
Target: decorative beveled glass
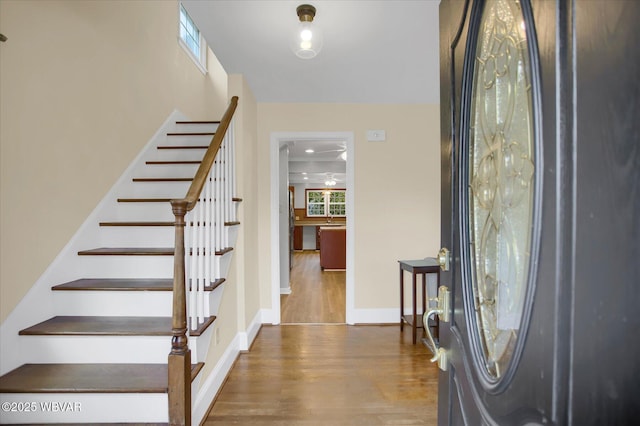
501	181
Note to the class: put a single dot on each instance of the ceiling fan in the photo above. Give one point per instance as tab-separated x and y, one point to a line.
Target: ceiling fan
342	152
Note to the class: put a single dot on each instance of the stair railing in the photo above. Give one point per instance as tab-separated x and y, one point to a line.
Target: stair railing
203	211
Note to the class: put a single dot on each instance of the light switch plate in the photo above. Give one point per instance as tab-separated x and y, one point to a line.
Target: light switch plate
376	135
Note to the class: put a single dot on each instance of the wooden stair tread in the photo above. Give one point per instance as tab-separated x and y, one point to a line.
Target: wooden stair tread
117	284
153	223
129	251
126	284
145	200
108	326
155	163
197	122
183	146
191	133
89	378
138	251
202	327
101	326
164	179
137	223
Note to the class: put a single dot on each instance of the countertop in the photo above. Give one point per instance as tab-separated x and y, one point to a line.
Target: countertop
319	222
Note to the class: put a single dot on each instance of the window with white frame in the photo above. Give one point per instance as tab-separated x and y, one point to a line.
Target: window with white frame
192	41
325	202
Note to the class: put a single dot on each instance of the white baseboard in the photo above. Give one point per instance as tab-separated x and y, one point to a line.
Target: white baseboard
285	290
214	381
375	316
216	378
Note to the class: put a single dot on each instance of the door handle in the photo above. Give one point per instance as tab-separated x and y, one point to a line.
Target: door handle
443	311
444	259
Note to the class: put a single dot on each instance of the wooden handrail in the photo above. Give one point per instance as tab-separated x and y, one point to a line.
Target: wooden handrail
207	161
179	363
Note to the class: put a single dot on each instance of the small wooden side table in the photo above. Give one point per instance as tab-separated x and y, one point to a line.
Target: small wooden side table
422	267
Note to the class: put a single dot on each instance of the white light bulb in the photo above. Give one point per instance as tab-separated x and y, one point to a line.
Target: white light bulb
306	34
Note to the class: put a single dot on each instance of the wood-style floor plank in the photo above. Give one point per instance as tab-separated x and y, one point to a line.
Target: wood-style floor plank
329	375
317	296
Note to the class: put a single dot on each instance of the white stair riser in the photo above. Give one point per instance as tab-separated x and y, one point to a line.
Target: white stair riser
95	349
233	235
215	297
155	190
113	303
83	408
156	211
123	303
136	236
124	266
200	345
225	263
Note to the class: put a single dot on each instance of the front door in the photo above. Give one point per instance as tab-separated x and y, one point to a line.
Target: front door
540	107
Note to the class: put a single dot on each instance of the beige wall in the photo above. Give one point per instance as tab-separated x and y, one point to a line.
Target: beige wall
247	189
397	188
84	85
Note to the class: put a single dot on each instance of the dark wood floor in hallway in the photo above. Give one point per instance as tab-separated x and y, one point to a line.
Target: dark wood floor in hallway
329	375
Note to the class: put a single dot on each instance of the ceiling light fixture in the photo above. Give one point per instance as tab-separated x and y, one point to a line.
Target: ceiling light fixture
330	180
307	42
309	151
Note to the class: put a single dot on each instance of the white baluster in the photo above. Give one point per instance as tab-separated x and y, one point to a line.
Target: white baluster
208	245
190	250
201	261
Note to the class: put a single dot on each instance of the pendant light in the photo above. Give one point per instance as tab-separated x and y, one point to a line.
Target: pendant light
307	40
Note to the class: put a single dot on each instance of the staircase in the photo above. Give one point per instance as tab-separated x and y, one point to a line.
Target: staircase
102	356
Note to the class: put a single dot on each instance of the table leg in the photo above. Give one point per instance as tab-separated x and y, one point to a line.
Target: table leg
415	313
424	293
401	299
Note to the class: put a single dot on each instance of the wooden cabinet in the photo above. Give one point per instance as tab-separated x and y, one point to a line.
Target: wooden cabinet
297	237
333	247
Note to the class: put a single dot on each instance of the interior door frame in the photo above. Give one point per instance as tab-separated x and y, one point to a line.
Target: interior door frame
277	139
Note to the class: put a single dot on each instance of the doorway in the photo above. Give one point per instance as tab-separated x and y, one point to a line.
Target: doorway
280	249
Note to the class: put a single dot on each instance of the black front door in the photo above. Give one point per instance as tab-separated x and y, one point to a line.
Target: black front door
540	128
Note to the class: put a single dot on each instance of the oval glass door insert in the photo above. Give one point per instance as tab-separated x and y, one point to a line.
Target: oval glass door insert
501	181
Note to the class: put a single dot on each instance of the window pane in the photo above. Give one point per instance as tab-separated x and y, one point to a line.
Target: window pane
337	197
315	197
189	33
337	210
315	210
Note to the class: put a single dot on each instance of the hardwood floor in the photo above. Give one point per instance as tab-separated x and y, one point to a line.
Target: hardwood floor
329	375
317	296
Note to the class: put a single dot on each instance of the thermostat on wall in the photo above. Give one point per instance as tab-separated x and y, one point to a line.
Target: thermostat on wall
376	135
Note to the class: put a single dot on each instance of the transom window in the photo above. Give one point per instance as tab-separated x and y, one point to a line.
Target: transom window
192	41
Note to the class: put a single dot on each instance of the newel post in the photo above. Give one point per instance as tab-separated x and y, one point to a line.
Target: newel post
180	355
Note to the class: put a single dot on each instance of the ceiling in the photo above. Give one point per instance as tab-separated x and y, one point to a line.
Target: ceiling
327	161
381	51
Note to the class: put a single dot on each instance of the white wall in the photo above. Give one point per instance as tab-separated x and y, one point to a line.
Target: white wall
283	220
